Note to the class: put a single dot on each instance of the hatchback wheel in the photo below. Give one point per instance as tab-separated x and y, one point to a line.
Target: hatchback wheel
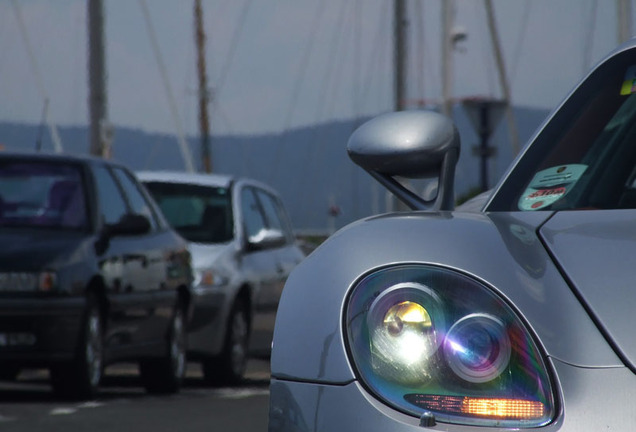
9	372
229	367
80	378
166	374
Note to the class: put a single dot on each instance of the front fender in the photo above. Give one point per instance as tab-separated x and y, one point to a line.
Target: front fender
500	250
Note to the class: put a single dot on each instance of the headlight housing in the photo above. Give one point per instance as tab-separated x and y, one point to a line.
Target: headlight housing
44	281
434	342
209	277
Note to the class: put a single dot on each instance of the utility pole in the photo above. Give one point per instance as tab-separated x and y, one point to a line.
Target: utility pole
204	93
100	129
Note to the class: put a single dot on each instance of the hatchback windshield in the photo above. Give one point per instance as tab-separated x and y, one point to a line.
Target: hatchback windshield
41	194
201	214
585	158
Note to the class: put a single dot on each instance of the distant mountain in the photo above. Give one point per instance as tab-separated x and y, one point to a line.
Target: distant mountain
308	165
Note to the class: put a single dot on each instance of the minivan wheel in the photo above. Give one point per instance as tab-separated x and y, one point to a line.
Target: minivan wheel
80	378
229	367
165	375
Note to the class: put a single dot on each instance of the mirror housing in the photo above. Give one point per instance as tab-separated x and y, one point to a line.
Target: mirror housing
265	239
409	144
130	224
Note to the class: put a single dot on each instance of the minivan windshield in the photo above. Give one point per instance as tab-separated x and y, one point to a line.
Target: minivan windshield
200	214
41	194
585	157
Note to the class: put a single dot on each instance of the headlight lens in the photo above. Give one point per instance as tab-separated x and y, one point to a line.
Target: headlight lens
44	281
209	278
429	340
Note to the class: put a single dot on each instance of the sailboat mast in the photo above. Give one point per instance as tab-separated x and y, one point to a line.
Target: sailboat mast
447	62
97	79
204	94
624	10
503	79
400	50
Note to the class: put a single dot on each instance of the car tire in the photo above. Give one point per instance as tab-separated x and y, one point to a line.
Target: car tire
9	372
165	375
229	367
80	378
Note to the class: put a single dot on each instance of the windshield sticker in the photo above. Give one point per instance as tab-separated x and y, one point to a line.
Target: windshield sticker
629	83
550	185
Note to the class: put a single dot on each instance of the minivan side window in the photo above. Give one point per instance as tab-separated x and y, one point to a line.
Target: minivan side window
274	213
252	216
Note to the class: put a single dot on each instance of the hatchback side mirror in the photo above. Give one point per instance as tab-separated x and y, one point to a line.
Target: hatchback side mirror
409	144
265	239
130	224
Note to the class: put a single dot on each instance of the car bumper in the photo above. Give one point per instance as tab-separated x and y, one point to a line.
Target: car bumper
39	331
591	400
206	329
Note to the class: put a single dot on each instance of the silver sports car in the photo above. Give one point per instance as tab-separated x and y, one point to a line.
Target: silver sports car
514	315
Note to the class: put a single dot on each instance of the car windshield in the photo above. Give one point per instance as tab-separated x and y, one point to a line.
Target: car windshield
585	158
201	214
41	194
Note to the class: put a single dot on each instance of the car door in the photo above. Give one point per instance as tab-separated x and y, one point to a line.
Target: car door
260	268
286	254
146	258
283	255
132	266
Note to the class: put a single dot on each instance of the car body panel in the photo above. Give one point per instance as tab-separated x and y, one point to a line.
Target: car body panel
596	251
515	265
605	393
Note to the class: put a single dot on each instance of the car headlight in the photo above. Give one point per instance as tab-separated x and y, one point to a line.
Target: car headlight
44	281
435	343
209	278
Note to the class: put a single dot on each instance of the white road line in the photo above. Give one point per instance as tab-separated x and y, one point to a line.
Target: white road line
62	411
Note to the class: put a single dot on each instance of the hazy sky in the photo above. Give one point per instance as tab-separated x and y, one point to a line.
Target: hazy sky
277	64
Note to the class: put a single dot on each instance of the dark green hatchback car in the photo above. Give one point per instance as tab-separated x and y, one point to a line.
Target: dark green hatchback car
90	274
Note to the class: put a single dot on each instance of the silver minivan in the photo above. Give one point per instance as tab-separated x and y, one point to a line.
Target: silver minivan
243	249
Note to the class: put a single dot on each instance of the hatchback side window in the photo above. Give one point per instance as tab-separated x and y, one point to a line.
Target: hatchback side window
136	200
276	219
252	216
112	206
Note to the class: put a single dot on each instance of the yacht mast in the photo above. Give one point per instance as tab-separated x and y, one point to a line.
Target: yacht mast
503	79
204	93
97	98
624	10
400	50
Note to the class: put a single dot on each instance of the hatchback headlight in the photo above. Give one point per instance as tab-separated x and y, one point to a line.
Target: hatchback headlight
44	281
209	278
435	343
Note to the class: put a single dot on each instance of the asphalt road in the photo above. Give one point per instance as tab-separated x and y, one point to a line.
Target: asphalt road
28	405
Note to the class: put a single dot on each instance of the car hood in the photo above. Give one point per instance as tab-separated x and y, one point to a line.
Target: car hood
206	254
32	250
596	250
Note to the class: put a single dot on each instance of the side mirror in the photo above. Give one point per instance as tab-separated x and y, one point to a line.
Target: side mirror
130	224
266	238
409	144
